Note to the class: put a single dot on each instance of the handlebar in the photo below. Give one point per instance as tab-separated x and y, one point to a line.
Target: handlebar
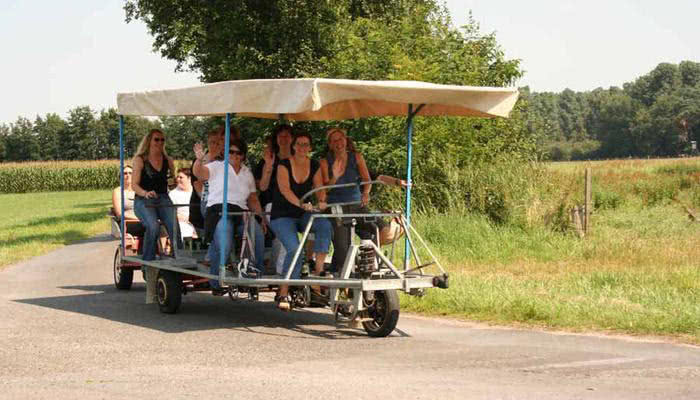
341	185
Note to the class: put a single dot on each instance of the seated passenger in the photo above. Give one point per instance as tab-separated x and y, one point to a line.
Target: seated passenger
277	147
133	226
343	164
296	176
181	195
150	183
241	196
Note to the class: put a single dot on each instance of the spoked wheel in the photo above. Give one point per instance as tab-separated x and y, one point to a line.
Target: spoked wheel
169	291
123	277
383	309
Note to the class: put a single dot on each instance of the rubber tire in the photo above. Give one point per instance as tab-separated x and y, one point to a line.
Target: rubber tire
123	278
169	291
388	317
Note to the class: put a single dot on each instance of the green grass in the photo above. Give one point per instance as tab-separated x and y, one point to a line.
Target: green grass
36	223
637	272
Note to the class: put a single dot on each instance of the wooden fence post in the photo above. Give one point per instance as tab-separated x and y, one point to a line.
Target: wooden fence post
588	206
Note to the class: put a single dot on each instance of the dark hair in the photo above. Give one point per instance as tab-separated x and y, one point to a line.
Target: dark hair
185	171
272	139
299	134
242	146
276	132
234	131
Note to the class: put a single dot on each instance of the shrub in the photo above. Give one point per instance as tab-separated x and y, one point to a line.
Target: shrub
606	200
658	191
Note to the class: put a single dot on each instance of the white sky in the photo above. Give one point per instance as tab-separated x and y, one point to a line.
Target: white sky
61	54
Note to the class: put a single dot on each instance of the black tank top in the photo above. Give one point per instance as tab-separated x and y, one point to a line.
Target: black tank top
152	179
283	208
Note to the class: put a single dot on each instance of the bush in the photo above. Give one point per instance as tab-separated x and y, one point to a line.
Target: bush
658	191
606	200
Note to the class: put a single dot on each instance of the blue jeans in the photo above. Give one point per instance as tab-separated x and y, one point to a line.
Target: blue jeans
149	219
287	229
223	243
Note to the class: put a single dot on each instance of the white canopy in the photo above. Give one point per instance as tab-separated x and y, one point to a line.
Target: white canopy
320	99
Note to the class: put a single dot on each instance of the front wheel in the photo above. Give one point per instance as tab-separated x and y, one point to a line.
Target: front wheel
384	312
169	291
123	277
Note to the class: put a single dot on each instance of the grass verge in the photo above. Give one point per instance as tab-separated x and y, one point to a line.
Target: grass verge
36	223
638	273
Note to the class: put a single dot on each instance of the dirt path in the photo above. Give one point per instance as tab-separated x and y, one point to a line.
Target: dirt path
66	333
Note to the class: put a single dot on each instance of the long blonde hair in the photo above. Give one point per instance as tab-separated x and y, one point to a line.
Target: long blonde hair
145	145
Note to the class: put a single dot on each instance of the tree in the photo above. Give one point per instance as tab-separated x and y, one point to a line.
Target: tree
21	143
48	131
4	134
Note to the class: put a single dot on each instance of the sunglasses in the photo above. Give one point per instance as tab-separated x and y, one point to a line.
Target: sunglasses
159	140
128	173
235	152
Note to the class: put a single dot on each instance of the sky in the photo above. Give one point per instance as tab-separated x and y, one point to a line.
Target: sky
58	55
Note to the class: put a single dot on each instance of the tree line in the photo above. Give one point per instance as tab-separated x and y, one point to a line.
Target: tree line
656	115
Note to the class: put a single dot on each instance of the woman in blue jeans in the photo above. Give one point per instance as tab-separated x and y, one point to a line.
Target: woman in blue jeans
296	176
241	195
152	167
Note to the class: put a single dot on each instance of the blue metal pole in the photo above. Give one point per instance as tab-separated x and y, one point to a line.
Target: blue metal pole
122	223
409	157
224	206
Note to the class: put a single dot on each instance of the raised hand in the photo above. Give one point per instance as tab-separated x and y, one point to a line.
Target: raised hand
269	157
339	166
199	150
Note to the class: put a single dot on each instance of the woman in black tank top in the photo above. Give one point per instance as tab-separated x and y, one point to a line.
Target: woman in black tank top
152	167
295	177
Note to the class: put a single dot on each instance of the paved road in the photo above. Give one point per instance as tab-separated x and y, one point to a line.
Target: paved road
67	333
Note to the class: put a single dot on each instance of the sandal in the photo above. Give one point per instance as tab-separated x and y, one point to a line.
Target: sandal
282	303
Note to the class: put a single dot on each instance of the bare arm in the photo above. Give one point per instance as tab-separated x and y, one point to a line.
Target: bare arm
321	194
136	179
254	203
390	180
198	186
198	169
325	176
364	174
264	182
284	188
117	202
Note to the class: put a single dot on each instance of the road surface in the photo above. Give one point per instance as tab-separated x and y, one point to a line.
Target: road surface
67	333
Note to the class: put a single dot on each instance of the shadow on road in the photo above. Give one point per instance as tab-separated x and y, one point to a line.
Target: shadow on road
199	311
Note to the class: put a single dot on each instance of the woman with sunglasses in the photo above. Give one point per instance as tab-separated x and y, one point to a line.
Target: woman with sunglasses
152	168
241	196
296	176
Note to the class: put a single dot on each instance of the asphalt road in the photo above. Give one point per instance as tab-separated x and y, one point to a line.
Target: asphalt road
67	333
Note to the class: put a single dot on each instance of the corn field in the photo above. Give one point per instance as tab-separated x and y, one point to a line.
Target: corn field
61	176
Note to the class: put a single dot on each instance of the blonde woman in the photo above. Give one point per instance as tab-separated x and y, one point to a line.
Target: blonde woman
152	167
